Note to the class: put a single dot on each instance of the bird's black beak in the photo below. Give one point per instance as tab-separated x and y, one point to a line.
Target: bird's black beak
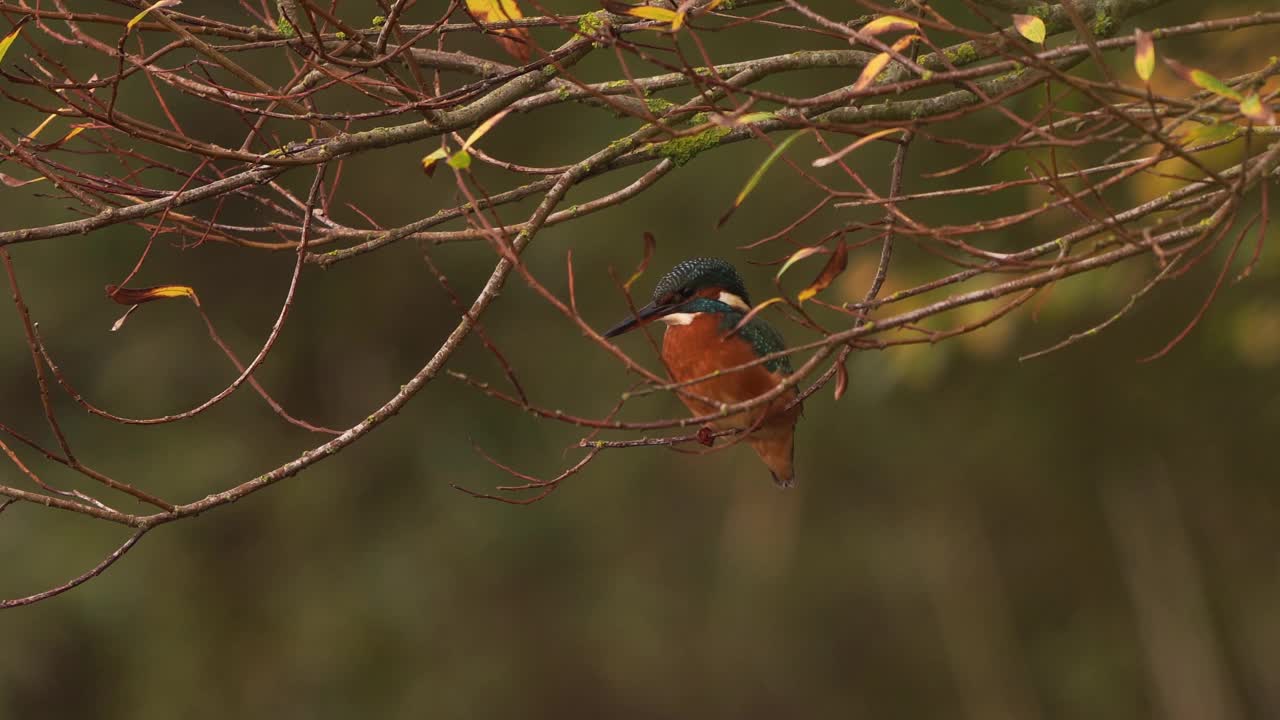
649	312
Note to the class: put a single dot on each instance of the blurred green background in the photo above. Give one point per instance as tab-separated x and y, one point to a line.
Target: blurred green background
1075	536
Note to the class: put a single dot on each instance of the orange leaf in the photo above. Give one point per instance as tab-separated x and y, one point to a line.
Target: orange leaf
870	72
1144	54
1030	27
514	40
836	265
888	23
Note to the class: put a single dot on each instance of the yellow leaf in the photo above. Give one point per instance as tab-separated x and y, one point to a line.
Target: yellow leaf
1030	27
429	162
136	296
75	130
825	161
483	128
1144	54
514	40
888	23
40	128
796	257
657	13
7	41
153	6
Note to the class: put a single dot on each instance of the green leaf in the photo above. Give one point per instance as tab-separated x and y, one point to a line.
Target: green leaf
1030	27
759	173
1253	108
460	160
1204	80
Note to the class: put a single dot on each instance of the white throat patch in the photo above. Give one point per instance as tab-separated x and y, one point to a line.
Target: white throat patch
734	301
679	318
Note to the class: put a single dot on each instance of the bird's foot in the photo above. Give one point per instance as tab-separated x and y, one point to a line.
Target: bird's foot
706	435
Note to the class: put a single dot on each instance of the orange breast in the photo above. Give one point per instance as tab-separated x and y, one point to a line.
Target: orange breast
699	349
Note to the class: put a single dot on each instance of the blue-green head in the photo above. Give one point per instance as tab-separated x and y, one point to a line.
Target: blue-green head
690	281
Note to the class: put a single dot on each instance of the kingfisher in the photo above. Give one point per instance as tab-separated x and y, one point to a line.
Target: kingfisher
701	301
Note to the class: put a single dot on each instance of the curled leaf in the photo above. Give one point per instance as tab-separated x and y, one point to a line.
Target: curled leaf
759	173
1144	54
429	161
137	296
153	6
869	137
888	23
514	40
796	257
13	182
649	244
1204	80
842	381
836	265
1253	108
1030	27
752	313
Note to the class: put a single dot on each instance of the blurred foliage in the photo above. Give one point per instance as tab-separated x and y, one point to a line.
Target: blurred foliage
971	536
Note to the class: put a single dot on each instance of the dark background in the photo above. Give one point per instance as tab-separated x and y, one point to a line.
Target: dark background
1076	536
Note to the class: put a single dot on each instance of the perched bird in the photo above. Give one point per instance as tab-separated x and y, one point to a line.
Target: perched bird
701	301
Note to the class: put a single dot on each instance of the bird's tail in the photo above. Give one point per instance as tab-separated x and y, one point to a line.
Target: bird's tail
776	448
